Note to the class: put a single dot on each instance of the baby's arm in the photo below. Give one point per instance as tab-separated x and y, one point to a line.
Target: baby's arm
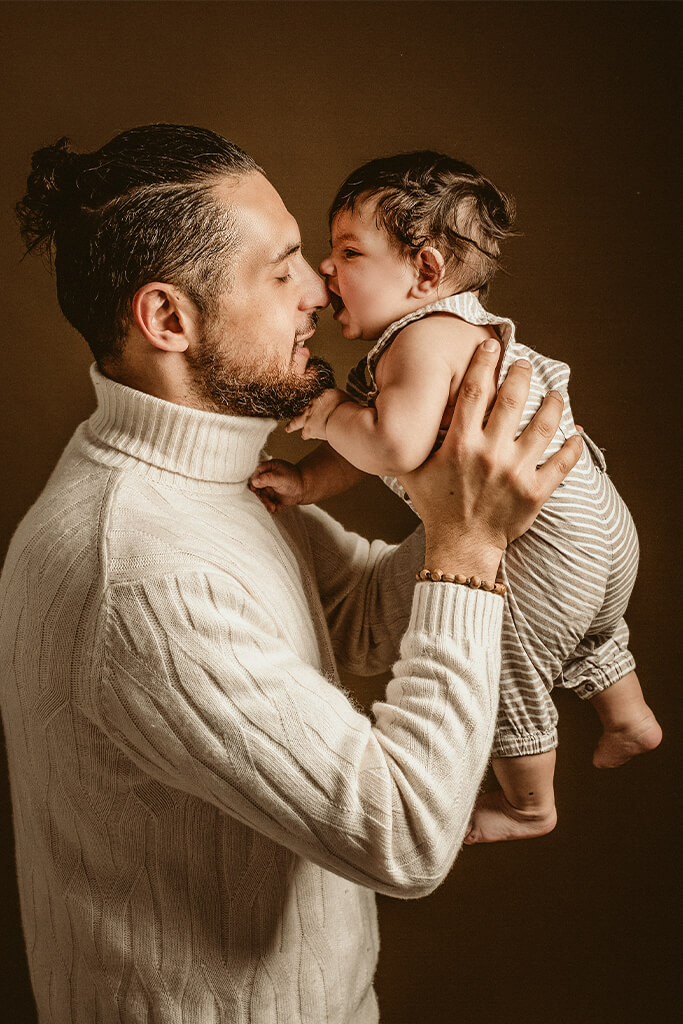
416	376
321	474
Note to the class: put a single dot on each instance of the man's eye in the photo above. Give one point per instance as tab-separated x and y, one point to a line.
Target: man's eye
350	253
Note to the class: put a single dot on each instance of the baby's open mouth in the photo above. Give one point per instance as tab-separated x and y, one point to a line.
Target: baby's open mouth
336	302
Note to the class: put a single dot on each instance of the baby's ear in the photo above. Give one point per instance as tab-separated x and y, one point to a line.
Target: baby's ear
431	270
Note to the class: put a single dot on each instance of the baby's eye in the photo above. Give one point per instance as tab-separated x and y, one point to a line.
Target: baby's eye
284	279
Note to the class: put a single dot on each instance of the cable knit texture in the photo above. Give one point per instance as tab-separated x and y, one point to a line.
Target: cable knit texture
201	814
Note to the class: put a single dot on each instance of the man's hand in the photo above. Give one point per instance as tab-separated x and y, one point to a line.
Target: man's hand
312	422
482	488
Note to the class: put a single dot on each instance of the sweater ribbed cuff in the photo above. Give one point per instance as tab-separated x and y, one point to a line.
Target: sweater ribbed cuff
448	609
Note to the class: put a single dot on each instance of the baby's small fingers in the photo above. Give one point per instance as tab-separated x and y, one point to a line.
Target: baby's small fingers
265	479
268	500
299	421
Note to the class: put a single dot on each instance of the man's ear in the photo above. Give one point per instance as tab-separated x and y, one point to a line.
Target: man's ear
431	270
165	316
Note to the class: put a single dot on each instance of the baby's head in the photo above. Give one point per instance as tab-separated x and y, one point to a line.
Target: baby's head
407	230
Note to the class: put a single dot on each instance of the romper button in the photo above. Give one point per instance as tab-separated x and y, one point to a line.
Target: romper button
590	687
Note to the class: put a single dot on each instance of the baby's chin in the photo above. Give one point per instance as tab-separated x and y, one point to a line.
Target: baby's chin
354	332
351	332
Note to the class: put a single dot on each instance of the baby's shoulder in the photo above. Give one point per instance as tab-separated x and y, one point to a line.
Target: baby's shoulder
445	334
443	327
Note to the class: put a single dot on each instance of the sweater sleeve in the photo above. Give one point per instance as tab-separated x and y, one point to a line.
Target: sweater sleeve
366	590
216	703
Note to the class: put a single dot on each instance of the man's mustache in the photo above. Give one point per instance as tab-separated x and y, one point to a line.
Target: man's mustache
310	326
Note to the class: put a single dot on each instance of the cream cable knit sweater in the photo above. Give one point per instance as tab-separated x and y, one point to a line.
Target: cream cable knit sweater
201	815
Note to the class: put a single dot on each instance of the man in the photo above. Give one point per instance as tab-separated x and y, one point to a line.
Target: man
201	816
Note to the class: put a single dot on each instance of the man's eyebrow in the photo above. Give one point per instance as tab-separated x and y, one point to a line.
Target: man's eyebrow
288	251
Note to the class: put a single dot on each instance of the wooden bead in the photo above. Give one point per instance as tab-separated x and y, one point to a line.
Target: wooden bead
474	582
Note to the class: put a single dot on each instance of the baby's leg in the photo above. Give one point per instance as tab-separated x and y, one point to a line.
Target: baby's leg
524	746
629	725
523	807
554	592
601	671
569	580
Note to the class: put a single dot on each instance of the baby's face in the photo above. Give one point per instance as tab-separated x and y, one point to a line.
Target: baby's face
368	280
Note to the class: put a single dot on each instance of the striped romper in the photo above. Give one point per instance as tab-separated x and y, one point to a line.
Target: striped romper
569	578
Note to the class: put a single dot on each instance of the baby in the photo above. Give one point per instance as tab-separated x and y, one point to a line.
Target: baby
415	243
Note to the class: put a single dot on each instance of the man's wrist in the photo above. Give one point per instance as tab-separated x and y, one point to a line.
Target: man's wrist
460	556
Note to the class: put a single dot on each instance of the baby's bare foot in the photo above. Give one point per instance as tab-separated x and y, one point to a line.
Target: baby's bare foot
495	819
618	745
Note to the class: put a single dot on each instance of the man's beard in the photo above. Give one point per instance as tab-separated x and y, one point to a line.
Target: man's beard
269	394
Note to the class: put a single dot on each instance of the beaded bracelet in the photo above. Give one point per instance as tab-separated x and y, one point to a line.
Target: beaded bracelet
473	582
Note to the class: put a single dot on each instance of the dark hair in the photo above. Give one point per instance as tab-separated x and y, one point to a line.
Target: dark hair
427	198
137	210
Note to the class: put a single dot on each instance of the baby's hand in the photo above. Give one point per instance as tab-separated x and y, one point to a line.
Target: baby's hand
276	483
312	422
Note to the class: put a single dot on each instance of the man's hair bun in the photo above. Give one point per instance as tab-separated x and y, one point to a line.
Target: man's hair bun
143	207
51	192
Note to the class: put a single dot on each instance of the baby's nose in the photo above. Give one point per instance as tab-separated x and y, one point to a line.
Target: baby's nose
326	268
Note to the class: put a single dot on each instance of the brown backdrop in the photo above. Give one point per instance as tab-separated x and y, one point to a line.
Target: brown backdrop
570	107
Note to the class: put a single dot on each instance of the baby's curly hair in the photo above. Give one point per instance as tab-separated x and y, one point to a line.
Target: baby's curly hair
428	198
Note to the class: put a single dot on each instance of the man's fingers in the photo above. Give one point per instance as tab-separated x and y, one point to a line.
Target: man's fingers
552	473
538	434
510	401
477	384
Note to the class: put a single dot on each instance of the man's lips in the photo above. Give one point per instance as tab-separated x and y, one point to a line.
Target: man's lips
301	338
299	350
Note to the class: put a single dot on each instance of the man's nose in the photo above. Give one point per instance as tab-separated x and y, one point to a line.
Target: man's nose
315	294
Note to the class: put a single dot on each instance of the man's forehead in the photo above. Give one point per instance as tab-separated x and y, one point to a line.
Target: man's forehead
264	222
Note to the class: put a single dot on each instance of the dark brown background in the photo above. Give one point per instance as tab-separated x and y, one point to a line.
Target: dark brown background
572	108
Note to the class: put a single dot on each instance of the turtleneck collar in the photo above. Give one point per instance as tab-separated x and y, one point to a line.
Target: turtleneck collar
200	445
